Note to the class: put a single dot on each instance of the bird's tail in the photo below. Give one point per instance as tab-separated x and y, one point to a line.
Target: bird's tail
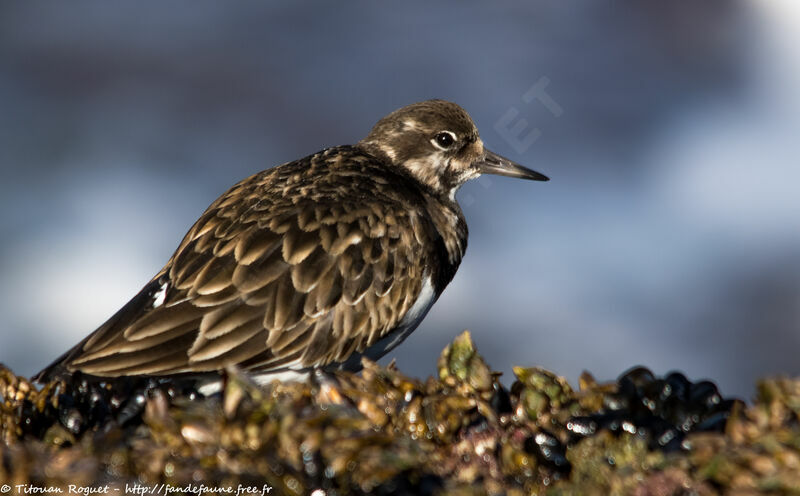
117	323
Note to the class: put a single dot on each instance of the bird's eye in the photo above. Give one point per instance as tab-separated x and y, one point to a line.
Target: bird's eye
444	140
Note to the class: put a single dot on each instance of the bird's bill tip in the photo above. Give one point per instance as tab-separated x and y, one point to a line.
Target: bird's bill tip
493	163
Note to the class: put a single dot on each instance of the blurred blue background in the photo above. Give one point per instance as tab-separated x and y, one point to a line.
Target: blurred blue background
669	234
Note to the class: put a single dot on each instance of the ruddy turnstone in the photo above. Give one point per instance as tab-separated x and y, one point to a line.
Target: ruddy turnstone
308	265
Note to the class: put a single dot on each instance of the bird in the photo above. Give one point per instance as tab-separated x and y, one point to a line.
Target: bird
307	266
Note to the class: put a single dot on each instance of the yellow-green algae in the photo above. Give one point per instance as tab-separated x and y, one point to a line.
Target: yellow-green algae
381	432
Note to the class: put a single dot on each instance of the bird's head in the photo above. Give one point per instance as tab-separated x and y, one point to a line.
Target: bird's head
438	144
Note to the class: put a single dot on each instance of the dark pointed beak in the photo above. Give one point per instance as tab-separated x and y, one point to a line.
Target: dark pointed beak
493	163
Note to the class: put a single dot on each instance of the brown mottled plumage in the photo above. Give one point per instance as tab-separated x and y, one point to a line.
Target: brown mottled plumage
310	264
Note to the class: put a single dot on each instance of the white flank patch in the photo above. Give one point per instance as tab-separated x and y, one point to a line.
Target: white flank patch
410	321
420	307
161	295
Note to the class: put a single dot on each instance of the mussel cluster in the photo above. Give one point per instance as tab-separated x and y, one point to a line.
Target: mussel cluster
662	410
78	404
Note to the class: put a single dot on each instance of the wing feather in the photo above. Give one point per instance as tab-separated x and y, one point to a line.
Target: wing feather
254	244
214	277
162	319
260	272
213	346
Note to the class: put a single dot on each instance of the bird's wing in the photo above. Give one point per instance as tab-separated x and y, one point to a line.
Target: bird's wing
270	277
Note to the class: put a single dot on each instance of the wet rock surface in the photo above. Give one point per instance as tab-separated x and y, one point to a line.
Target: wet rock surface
381	432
